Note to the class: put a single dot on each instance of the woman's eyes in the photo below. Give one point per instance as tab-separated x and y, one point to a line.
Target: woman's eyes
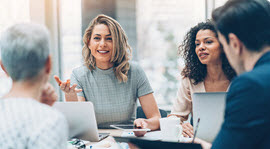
98	38
206	42
209	41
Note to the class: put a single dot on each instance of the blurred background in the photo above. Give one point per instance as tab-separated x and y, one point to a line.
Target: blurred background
155	28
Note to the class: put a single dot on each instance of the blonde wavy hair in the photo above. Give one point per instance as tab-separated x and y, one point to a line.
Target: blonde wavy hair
121	53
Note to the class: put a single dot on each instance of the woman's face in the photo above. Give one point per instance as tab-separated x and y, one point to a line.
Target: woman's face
207	47
101	44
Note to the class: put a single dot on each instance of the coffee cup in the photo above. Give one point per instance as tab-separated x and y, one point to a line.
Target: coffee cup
171	130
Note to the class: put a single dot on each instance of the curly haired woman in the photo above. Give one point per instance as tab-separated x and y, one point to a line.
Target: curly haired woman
206	69
109	80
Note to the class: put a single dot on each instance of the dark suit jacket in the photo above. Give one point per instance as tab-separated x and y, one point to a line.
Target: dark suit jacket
247	113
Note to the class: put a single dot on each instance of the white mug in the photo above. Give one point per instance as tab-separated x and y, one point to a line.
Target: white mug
171	130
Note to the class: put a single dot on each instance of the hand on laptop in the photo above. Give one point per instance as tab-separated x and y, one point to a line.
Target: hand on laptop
48	95
187	130
65	86
140	123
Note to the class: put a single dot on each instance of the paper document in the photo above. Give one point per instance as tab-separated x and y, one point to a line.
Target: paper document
153	135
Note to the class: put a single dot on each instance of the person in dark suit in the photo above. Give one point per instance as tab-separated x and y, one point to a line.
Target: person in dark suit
244	31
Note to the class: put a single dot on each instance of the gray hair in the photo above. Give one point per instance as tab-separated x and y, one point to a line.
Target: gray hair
25	49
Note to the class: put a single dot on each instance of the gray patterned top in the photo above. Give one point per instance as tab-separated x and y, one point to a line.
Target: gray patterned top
113	101
26	123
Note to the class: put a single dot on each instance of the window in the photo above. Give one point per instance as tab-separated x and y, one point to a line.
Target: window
161	26
71	36
219	3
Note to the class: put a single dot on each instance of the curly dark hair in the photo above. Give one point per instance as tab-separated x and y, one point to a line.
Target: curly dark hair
194	69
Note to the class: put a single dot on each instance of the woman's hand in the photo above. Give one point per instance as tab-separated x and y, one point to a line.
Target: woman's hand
187	130
65	86
48	95
140	123
204	144
70	92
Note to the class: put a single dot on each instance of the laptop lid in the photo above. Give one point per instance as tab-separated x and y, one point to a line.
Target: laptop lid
209	107
81	119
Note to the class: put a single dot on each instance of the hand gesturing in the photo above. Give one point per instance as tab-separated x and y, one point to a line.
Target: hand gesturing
65	86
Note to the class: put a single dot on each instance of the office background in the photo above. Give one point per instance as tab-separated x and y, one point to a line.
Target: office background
155	28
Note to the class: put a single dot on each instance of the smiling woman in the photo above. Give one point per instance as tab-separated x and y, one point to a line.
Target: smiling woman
208	48
101	46
105	45
109	80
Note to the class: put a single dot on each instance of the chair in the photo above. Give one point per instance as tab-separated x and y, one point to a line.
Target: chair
140	113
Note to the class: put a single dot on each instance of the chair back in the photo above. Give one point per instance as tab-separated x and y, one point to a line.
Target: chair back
140	113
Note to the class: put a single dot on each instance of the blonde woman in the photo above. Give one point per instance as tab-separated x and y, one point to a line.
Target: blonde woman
109	80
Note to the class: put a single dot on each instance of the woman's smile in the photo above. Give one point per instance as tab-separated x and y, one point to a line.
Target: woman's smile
103	51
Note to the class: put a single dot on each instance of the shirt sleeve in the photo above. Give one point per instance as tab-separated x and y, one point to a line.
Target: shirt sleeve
182	105
75	80
50	135
143	85
246	119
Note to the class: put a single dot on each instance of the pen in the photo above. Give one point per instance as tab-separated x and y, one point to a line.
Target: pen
196	130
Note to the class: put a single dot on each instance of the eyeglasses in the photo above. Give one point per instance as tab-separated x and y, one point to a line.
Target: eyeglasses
78	143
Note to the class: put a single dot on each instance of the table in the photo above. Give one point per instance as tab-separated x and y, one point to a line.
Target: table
109	142
113	132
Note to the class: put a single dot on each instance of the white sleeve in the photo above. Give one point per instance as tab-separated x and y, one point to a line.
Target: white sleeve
182	105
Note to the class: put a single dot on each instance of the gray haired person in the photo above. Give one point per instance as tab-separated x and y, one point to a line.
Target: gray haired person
27	120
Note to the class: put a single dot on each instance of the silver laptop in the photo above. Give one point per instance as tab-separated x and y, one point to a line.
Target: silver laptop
209	107
81	120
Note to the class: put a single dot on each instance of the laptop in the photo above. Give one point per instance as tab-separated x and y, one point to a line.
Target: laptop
209	107
81	120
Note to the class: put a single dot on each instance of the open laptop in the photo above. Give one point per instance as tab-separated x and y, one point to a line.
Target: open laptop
209	107
81	120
